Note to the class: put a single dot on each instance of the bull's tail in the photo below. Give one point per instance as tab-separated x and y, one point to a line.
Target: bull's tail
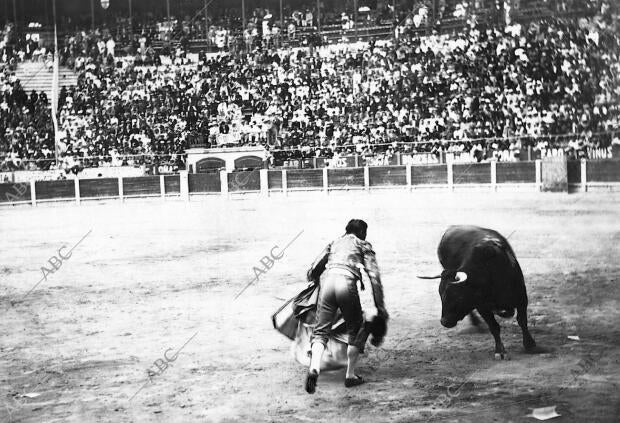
429	277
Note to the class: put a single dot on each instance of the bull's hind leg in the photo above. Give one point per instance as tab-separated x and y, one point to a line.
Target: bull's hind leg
500	351
528	342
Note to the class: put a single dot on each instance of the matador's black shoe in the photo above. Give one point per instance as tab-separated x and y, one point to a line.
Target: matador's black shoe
311	379
353	381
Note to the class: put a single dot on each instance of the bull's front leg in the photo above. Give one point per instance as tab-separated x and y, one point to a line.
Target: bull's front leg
500	351
528	342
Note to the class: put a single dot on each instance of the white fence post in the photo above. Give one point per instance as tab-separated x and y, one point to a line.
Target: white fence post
184	184
494	175
120	188
33	193
325	181
284	183
366	178
76	185
162	186
224	182
408	176
264	183
450	174
584	176
538	175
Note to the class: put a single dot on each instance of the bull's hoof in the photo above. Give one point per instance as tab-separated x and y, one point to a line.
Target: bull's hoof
502	356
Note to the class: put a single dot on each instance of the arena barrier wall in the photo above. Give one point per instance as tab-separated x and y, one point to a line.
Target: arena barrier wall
348	178
431	175
602	171
99	188
304	180
555	174
384	176
244	181
472	173
204	183
494	176
54	190
274	180
172	185
15	193
516	172
142	186
573	170
600	175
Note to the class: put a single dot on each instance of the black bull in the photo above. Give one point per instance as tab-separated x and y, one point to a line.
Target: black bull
481	272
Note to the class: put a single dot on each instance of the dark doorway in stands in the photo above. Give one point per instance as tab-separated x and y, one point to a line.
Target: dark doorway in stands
249	163
210	165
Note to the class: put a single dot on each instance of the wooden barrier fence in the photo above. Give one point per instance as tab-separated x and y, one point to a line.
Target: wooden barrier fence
492	176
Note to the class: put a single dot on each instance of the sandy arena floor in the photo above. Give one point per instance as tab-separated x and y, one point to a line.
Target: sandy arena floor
150	277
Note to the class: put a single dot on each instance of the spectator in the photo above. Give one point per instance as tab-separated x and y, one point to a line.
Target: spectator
485	89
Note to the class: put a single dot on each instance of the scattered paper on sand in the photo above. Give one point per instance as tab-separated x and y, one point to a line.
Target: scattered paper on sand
544	413
31	395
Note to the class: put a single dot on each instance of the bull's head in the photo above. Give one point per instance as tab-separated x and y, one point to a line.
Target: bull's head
461	289
457	297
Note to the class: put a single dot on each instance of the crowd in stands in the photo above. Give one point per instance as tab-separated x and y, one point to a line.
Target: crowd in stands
485	86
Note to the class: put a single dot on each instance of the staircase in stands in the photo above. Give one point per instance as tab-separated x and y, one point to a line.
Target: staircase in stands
37	76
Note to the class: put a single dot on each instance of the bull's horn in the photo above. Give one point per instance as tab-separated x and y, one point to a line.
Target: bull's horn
429	277
460	277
